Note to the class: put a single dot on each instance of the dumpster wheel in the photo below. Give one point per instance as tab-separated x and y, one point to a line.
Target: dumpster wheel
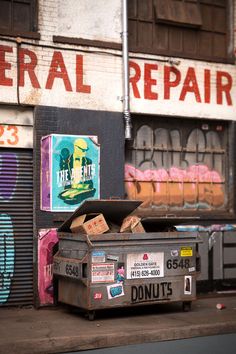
91	315
187	306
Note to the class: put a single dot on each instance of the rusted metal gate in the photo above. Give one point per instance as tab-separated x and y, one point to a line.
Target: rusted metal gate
16	227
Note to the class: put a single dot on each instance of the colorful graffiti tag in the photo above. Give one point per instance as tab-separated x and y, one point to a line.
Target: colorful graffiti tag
7	244
167	174
46	241
7	256
175	187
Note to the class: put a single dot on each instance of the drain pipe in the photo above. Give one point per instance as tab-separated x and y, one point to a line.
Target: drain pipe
125	52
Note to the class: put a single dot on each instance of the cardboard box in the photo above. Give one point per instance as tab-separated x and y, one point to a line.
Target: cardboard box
89	224
132	224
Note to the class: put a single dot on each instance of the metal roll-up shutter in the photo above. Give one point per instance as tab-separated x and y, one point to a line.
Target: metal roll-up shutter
16	227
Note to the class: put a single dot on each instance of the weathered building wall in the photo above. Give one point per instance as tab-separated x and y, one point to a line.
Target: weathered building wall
69	81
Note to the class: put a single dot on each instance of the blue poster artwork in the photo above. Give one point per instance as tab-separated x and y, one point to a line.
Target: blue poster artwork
75	171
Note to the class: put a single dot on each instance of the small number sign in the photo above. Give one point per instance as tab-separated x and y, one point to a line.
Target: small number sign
9	135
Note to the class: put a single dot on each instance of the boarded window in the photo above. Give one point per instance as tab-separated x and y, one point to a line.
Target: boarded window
17	16
175	167
178	12
200	29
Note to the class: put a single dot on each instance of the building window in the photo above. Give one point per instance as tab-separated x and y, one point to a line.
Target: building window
175	167
197	29
18	16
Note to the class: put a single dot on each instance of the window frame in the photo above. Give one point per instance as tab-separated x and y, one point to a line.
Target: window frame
33	33
134	21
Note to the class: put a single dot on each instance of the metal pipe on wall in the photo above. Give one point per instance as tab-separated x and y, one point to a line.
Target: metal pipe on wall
125	54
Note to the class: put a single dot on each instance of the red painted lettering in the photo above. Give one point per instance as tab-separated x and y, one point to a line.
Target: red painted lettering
4	65
190	85
149	82
58	63
220	87
29	67
80	87
170	83
207	86
135	78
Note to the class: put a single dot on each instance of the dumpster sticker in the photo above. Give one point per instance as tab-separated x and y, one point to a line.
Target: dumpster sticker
120	274
174	253
145	265
98	257
97	296
102	273
112	257
186	252
151	292
115	290
192	269
188	285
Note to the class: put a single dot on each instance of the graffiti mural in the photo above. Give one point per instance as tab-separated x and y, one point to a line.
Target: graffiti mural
7	256
46	241
8	179
164	172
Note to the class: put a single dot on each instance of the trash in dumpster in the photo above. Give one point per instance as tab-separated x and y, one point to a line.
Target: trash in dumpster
89	224
132	224
119	269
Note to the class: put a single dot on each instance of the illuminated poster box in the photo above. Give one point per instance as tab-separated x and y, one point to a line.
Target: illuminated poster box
70	166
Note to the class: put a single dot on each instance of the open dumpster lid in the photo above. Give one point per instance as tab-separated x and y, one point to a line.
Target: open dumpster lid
114	210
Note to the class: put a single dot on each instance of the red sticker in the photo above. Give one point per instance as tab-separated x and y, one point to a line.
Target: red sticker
97	296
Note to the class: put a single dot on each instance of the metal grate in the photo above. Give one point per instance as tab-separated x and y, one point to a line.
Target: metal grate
178	167
16	227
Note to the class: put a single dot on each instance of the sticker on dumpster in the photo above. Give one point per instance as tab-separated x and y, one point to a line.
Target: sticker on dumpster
102	272
115	290
98	257
111	257
145	265
120	273
192	269
174	253
188	285
186	252
97	296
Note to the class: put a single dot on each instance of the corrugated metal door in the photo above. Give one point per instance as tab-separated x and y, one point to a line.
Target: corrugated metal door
16	227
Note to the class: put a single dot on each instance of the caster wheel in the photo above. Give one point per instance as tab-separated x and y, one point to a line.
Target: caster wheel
186	306
91	315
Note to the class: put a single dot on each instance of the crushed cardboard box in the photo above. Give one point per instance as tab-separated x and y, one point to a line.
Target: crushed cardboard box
89	224
132	224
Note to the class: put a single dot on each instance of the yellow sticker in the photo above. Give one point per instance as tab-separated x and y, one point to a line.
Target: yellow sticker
186	252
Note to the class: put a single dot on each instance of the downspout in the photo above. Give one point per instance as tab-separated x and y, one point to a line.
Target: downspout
125	54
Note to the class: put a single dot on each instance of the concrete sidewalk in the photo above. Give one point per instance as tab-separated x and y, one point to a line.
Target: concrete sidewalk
60	329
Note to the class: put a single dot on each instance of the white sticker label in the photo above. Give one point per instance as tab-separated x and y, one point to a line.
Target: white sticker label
98	257
145	265
112	257
174	253
102	273
192	269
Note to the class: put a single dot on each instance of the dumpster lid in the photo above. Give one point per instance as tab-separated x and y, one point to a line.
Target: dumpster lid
114	210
